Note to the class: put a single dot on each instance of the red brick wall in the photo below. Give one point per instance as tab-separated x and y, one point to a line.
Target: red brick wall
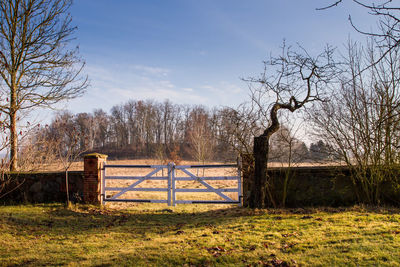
92	178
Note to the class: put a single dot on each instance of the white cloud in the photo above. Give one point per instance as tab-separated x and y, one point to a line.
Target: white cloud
203	53
151	70
187	89
224	93
112	85
117	84
223	88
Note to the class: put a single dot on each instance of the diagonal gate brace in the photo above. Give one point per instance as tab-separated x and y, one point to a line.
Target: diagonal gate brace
209	187
136	183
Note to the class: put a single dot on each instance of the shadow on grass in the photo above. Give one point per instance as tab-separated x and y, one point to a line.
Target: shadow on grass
56	219
83	219
170	237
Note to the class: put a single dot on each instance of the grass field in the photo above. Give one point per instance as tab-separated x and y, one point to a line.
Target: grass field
190	235
78	166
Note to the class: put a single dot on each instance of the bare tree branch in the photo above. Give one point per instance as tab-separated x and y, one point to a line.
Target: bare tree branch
38	69
330	6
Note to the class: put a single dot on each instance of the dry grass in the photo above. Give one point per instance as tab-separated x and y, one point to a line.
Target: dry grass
193	235
78	166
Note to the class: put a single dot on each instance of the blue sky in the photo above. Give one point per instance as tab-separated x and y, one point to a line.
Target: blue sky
194	51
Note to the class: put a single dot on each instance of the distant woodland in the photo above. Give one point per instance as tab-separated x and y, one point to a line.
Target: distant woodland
164	131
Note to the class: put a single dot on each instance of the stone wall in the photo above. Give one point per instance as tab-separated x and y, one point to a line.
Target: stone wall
315	186
83	186
307	186
43	187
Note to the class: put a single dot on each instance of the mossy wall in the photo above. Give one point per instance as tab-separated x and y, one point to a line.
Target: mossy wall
313	186
42	187
307	186
316	186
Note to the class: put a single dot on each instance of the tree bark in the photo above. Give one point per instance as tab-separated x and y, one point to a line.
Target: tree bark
66	186
261	152
13	128
13	142
258	191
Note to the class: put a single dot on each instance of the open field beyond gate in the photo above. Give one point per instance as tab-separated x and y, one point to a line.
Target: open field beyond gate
172	184
197	235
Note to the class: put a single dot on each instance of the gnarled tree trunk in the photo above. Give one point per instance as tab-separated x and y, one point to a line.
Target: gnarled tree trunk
261	152
261	148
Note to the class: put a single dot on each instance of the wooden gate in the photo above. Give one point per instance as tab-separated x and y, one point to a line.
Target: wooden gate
154	169
173	176
202	180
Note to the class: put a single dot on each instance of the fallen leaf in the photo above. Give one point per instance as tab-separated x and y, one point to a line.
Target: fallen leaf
221	249
287	246
280	263
276	262
290	234
217	248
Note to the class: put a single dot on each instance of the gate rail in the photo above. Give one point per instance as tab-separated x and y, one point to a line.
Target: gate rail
171	179
209	188
132	187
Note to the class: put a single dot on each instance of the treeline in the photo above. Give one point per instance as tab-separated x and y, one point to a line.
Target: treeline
151	129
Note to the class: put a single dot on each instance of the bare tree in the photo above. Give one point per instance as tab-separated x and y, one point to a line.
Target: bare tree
287	150
199	134
37	67
7	184
101	123
238	126
362	120
35	150
67	142
322	152
387	13
288	83
86	127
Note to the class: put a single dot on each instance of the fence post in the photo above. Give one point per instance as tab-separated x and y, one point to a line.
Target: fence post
173	184
103	183
92	182
239	174
169	201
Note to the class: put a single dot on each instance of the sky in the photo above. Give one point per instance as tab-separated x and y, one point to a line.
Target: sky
194	52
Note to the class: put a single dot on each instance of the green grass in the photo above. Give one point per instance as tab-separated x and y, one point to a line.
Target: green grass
190	235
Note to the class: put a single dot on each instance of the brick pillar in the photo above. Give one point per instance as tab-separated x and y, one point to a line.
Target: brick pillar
92	165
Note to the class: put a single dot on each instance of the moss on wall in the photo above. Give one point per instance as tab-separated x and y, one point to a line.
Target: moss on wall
43	187
319	186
